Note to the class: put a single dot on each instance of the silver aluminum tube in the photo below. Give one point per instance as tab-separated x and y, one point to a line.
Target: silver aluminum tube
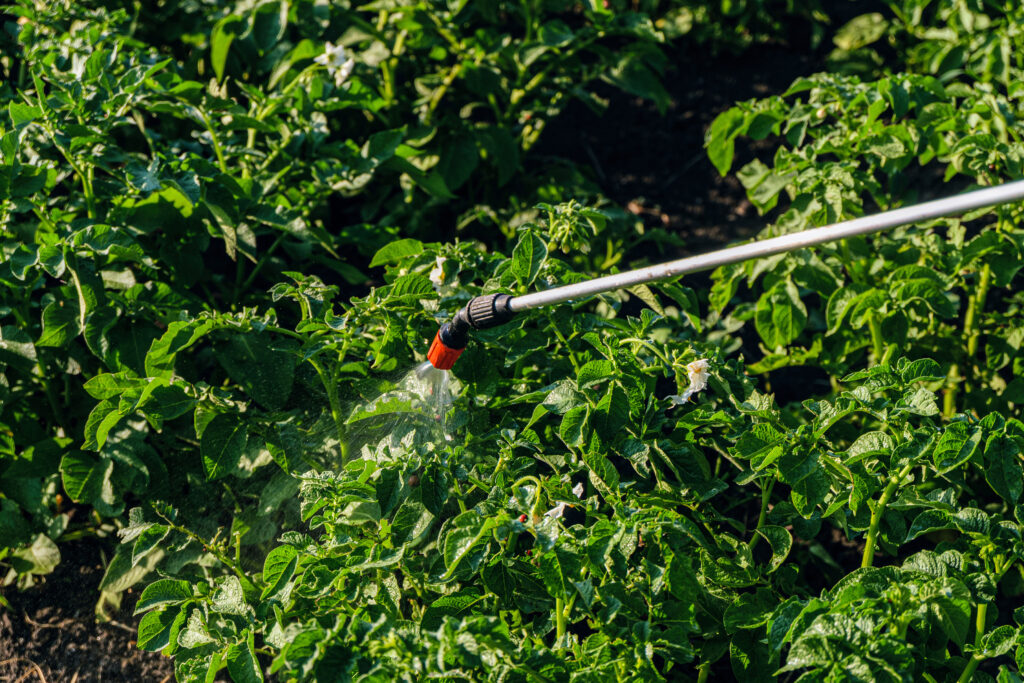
864	225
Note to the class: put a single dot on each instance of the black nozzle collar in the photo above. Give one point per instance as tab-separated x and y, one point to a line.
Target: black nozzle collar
488	311
481	313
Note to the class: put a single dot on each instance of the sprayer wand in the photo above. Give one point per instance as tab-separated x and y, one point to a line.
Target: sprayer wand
491	310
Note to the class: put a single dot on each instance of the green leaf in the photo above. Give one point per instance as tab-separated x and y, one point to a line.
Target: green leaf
999	641
155	629
869	444
148	541
278	569
528	256
223	443
195	632
434	486
781	542
87	479
573	424
1003	470
612	413
264	372
103	417
411	287
780	315
956	446
458	161
42	557
559	568
242	663
467	530
593	372
749	611
457	605
861	31
396	251
60	324
23	114
229	598
16	347
163	592
223	34
948	603
179	336
721	138
499	580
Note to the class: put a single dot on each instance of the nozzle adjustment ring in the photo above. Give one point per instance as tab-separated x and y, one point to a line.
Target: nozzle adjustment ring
490	310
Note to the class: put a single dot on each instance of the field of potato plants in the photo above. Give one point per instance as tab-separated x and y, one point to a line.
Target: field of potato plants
230	230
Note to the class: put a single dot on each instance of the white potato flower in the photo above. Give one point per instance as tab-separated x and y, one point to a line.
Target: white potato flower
697	373
437	274
337	65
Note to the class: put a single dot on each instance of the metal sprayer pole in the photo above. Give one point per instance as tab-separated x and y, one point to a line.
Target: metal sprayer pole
949	206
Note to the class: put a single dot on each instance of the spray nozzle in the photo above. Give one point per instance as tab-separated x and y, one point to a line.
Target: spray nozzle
480	313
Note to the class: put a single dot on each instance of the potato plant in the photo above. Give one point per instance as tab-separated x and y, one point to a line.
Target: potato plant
149	174
221	267
575	497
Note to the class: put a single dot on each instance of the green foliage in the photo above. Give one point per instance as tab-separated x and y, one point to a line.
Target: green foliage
599	492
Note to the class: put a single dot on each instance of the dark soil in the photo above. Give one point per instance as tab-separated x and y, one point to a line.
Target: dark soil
51	634
656	165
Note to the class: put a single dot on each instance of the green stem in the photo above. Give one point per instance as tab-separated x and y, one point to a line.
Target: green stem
878	512
535	509
215	139
703	672
439	94
331	387
890	351
559	620
568	351
877	342
979	624
209	546
262	261
766	493
975	306
459	495
968	672
650	347
87	190
949	393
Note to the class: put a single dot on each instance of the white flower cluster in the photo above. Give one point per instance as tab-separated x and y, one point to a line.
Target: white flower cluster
337	66
697	373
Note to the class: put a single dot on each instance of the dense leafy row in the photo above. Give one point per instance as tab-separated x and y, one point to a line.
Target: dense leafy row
599	492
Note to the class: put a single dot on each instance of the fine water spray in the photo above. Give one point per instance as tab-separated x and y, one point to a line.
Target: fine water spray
491	310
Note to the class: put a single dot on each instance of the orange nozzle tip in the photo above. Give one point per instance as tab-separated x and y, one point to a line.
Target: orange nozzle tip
441	356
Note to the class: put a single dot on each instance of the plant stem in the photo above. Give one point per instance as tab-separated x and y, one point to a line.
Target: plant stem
766	493
331	387
975	306
979	624
209	546
968	672
703	672
949	393
568	351
559	620
877	342
878	512
216	142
